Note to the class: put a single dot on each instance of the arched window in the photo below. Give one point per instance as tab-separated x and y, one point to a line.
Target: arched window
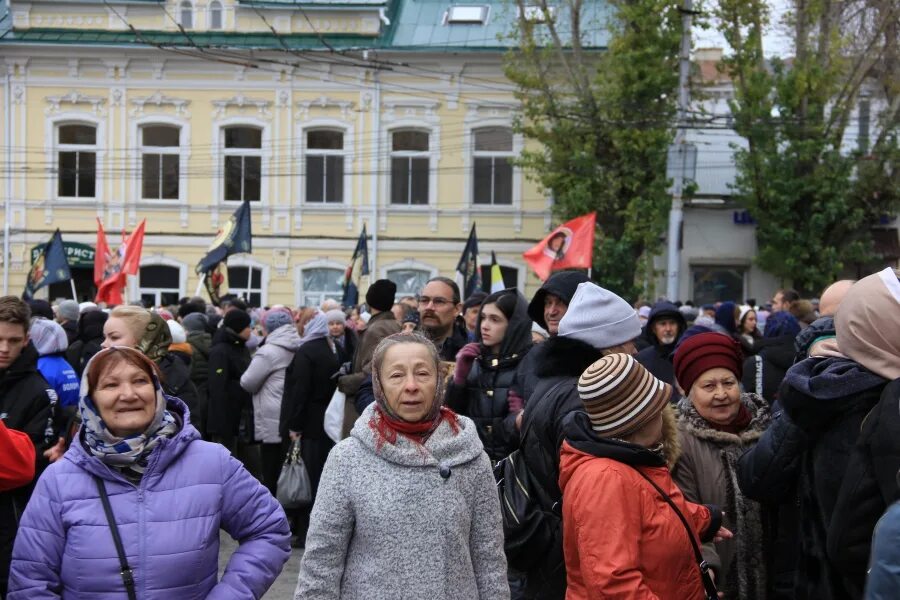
410	165
160	162
243	163
159	285
493	170
324	166
321	283
246	282
76	161
186	14
409	281
215	14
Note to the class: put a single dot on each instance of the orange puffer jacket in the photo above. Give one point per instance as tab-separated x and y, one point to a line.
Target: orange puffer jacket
621	539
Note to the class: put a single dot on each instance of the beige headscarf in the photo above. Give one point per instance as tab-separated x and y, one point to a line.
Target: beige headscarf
868	323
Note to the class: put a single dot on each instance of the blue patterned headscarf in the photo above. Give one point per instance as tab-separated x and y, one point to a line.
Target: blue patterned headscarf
129	452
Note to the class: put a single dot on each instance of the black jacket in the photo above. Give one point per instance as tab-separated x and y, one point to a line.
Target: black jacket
776	355
870	484
308	388
27	403
485	396
454	343
90	336
657	358
177	380
767	473
71	329
828	400
562	361
228	359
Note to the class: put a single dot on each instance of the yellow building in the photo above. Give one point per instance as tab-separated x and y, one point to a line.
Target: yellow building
326	115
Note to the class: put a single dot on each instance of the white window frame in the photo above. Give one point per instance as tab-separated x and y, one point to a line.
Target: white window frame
309	265
430	154
408	264
469	151
186	5
211	8
58	147
167	150
184	152
346	152
134	288
221	152
240	260
494	155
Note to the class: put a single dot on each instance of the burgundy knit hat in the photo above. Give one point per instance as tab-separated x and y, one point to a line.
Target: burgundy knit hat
700	353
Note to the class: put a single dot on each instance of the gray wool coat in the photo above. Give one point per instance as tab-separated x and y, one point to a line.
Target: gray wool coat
264	378
387	525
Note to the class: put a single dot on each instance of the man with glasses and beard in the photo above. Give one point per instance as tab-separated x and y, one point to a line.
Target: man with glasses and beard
439	307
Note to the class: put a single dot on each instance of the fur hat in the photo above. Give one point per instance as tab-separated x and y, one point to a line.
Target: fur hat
380	295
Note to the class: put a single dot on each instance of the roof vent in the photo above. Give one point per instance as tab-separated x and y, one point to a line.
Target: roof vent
466	15
535	13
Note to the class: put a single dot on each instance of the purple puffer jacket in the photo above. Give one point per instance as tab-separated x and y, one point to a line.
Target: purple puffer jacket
169	526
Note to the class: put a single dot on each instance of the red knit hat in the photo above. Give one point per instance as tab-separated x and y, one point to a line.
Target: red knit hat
700	353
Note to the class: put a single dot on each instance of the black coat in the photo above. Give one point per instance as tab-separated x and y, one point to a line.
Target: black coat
71	329
228	359
776	356
828	399
870	484
485	396
27	403
562	361
657	357
90	336
177	380
767	473
308	388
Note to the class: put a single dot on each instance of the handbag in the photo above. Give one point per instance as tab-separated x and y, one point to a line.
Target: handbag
124	570
294	489
334	415
709	585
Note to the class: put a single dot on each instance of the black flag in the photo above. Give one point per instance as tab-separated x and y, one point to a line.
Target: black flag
234	238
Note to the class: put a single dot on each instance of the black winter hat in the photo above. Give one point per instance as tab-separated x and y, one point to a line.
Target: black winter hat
561	284
475	299
380	295
41	308
236	320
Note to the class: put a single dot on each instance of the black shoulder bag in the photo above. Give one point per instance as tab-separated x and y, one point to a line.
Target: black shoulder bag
709	586
125	570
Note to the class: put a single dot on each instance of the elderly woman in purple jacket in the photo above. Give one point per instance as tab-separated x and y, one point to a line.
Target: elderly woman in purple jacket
140	472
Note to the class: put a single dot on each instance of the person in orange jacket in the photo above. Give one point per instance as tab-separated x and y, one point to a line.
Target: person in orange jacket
621	538
16	458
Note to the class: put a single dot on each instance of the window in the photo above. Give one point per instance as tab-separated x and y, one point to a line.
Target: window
324	166
467	14
246	282
493	170
409	281
409	167
77	161
159	285
717	283
243	163
320	284
215	15
160	169
186	14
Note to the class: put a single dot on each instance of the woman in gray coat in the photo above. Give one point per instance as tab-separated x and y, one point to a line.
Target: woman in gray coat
407	506
264	378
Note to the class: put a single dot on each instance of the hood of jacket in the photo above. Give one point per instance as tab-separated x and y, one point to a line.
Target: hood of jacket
664	310
48	337
285	337
90	325
779	351
517	339
200	340
823	326
227	336
693	424
725	317
168	450
444	448
561	284
563	356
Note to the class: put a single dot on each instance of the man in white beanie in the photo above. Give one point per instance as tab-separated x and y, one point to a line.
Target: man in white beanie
597	323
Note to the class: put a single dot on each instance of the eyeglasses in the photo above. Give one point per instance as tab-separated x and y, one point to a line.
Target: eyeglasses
437	301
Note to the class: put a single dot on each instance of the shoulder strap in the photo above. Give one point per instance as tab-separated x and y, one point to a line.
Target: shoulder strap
678	513
125	570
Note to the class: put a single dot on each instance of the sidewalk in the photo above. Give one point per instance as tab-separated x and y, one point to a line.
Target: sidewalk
283	588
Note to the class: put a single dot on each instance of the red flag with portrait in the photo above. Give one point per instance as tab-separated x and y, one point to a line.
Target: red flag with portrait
569	246
113	267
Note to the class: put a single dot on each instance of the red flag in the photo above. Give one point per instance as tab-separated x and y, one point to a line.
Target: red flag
100	254
116	266
131	262
569	246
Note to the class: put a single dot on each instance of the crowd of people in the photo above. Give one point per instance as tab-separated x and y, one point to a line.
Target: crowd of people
567	446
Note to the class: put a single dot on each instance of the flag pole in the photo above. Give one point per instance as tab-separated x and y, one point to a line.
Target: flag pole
74	295
200	284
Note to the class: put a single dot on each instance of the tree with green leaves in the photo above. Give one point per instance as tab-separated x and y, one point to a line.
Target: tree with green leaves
603	121
813	192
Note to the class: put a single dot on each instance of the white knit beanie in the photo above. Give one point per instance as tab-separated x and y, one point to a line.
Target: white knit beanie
599	318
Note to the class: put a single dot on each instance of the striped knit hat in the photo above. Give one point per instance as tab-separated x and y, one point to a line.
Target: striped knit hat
620	395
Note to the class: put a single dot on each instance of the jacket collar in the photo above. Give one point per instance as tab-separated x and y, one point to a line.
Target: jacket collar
23	366
562	356
697	426
580	435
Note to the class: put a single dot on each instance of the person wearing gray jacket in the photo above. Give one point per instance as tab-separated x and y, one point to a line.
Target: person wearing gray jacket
264	378
407	506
